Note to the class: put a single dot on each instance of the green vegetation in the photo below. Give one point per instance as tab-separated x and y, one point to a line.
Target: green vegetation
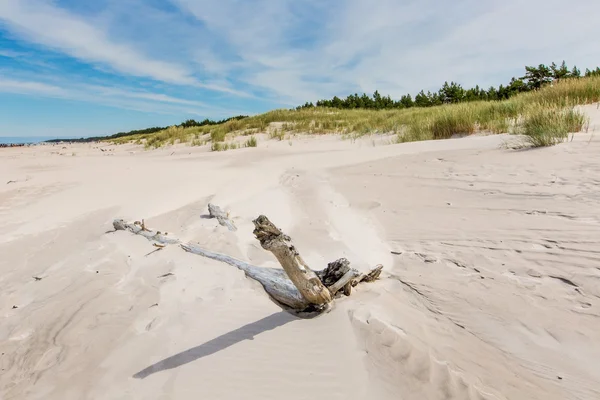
111	137
219	146
547	126
452	93
412	124
538	105
222	146
252	142
190	122
123	137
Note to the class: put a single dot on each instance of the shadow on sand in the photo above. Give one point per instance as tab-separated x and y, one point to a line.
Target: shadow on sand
246	332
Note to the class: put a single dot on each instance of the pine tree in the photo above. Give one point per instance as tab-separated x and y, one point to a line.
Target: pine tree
561	72
536	77
406	101
434	99
594	72
367	102
377	101
451	93
421	100
517	86
492	94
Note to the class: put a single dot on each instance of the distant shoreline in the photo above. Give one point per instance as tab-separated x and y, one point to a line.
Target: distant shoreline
12	141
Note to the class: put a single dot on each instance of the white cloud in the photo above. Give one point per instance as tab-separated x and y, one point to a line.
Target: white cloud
50	26
40	22
108	91
293	51
11	53
30	87
114	97
395	46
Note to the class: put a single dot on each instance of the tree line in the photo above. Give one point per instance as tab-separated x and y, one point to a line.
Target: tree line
115	136
190	122
186	124
534	78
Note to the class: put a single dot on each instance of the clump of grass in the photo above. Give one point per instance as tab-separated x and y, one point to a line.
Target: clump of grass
496	126
547	126
220	146
453	121
278	134
259	124
218	134
251	142
416	131
198	142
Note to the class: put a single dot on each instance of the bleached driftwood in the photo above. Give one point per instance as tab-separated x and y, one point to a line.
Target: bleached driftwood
338	275
221	216
274	281
139	228
295	286
305	280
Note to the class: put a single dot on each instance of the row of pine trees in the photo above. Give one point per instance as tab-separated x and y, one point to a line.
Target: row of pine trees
534	78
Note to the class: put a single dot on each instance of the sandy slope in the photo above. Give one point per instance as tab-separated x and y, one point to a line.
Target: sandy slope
492	290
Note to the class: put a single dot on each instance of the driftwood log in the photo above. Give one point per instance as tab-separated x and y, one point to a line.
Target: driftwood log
306	281
295	287
221	216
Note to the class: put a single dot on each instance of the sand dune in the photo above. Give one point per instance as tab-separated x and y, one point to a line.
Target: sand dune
491	287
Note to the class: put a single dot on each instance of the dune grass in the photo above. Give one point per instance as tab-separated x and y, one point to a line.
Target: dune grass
224	146
547	125
251	142
543	115
221	146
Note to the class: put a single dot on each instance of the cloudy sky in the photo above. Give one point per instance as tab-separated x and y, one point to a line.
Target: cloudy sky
78	68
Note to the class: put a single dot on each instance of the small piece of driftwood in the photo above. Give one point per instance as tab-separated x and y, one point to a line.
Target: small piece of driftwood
138	229
295	287
221	216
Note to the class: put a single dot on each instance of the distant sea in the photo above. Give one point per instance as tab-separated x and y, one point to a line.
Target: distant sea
25	140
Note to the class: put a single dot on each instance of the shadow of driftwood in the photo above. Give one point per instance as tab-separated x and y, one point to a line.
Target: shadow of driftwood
246	332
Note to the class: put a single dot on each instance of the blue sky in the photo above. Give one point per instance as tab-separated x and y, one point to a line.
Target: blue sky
80	68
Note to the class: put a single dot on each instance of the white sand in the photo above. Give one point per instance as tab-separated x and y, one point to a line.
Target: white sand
495	295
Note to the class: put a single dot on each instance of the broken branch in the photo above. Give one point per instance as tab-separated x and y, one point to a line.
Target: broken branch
305	280
221	216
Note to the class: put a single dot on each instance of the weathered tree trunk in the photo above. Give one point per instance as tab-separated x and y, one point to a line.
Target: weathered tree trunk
305	280
296	286
221	216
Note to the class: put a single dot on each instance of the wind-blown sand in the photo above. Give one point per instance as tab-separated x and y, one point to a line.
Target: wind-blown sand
491	286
